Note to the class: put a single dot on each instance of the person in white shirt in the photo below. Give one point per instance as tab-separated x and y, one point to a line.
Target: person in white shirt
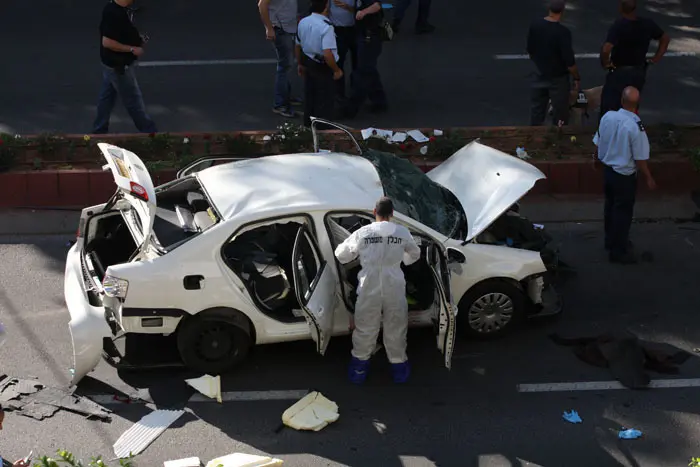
317	57
623	149
381	294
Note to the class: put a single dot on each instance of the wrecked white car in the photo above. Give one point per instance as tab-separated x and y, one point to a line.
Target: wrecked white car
242	253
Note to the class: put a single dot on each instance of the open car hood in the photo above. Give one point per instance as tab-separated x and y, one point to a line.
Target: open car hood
135	184
486	181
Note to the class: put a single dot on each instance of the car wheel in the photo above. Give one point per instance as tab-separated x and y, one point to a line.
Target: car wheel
491	309
212	344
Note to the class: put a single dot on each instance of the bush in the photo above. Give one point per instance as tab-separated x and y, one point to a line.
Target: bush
67	458
8	151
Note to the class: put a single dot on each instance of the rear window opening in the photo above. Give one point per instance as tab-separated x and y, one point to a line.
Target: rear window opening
261	256
420	283
113	237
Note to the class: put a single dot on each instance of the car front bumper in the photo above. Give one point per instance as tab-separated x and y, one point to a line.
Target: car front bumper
88	326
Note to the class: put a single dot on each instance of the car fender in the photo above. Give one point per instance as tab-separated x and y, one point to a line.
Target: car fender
228	315
485	262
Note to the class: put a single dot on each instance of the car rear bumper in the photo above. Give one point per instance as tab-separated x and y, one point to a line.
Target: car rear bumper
87	324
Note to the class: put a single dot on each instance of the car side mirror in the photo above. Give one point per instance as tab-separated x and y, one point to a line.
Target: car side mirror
455	256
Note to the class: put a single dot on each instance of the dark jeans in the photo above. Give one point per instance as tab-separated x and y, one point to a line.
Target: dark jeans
615	82
620	193
319	90
366	82
126	86
423	11
284	48
347	45
543	90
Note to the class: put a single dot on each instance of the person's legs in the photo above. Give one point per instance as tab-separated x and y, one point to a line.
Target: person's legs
559	94
608	189
325	94
284	45
105	103
623	210
375	89
611	96
395	329
309	90
400	12
539	101
368	318
361	77
345	38
130	94
422	24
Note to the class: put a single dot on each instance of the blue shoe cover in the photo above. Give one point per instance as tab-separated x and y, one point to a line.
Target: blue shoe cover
400	372
357	372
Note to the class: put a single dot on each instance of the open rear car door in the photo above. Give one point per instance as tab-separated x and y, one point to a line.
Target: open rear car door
315	287
446	312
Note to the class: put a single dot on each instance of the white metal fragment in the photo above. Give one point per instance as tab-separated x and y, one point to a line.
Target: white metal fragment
208	385
239	459
418	136
312	412
189	462
399	137
144	432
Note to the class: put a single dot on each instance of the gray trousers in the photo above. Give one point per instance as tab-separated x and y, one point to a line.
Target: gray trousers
543	90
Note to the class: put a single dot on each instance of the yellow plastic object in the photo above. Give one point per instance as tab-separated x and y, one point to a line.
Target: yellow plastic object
239	459
312	412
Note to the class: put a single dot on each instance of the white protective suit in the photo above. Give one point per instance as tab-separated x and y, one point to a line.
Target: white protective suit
381	287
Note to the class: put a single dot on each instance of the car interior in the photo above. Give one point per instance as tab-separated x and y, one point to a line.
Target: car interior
262	257
420	284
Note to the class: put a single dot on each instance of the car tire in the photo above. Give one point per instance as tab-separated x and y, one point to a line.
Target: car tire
491	309
213	344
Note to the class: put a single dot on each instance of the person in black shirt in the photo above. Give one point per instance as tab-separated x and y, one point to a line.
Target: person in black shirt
120	46
624	54
550	49
365	79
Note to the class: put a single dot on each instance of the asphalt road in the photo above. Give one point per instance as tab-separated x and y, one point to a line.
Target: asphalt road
51	73
470	416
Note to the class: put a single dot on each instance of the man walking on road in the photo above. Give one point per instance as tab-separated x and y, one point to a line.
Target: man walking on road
624	54
342	15
280	20
121	46
623	148
317	56
550	48
422	25
381	294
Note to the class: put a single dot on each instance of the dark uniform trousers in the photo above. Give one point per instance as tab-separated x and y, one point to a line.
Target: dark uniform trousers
319	90
543	89
347	45
366	82
616	81
620	194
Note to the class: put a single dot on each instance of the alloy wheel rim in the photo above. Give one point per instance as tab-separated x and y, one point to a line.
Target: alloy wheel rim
491	312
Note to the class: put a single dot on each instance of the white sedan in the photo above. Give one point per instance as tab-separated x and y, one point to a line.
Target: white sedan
241	253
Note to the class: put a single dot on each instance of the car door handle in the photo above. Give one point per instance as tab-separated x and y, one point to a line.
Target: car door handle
193	282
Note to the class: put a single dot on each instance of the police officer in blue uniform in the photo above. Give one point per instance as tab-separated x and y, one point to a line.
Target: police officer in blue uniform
624	54
317	57
366	82
623	149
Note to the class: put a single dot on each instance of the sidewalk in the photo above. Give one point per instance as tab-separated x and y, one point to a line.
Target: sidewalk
539	209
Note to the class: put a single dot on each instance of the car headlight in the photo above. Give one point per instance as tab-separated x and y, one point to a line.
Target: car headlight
115	287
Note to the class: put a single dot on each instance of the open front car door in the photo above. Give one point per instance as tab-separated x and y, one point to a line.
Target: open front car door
446	312
315	287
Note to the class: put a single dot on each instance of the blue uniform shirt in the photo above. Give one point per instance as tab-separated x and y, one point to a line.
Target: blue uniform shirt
316	34
621	140
341	17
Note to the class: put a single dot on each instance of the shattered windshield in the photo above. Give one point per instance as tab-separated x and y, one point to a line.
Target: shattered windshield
417	196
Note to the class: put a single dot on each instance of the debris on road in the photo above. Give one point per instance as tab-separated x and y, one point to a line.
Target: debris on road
629	434
312	412
208	385
572	417
437	133
137	438
625	356
370	132
418	136
189	462
399	137
32	399
244	460
521	153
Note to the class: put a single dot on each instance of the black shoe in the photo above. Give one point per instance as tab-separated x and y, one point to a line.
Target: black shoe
627	258
425	29
395	27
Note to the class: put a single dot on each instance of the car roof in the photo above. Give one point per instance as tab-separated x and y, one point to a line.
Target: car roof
292	183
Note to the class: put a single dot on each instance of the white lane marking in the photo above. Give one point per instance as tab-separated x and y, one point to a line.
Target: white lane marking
589	55
606	385
234	396
236	61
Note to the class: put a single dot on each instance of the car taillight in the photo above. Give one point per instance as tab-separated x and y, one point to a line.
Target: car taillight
81	228
138	191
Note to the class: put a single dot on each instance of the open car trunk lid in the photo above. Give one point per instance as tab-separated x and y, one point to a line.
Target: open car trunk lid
135	187
486	182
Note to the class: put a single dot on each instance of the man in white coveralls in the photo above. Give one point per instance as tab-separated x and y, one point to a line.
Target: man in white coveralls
381	291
